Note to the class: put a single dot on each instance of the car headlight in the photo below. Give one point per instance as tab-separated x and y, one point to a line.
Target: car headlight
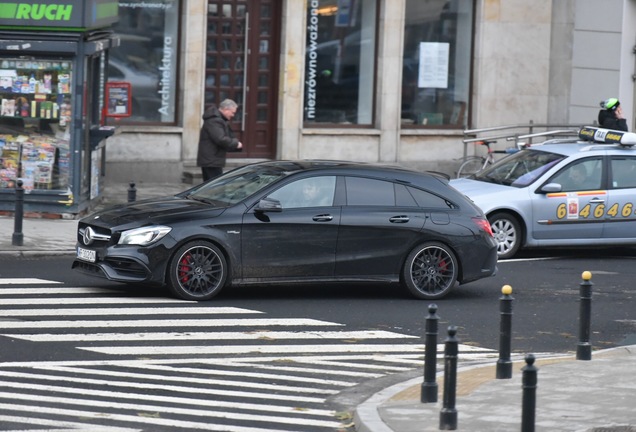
143	236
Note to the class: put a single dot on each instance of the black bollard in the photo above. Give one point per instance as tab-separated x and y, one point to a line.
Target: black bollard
18	238
132	192
429	386
504	364
448	415
529	387
584	348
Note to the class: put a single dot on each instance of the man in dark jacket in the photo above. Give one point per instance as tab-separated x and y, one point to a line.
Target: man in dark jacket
611	115
216	139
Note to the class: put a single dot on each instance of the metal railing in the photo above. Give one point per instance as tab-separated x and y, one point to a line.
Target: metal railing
521	134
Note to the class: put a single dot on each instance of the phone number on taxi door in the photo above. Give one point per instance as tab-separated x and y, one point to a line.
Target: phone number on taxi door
599	211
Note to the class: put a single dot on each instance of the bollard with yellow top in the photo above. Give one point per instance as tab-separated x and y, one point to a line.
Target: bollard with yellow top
584	348
504	364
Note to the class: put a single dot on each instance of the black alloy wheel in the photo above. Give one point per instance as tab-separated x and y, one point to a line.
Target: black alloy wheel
430	271
197	271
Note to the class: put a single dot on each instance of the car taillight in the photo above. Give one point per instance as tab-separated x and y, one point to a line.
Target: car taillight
483	224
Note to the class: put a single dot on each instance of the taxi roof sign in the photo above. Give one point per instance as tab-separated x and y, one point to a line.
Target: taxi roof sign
607	136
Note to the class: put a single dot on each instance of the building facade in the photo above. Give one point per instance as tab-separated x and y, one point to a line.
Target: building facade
368	80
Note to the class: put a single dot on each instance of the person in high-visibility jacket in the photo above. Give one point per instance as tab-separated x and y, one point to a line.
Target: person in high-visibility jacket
611	115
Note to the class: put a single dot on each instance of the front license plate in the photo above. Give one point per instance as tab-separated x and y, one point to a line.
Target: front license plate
86	254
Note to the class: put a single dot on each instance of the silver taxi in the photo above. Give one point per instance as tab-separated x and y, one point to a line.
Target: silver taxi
562	192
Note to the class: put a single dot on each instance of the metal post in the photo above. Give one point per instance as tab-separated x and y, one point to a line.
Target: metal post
584	348
529	388
504	364
18	238
448	415
132	192
429	386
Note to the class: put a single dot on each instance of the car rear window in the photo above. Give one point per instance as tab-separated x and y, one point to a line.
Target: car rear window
429	200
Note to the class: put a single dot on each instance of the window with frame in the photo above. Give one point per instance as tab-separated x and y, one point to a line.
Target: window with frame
147	58
340	62
580	175
438	40
369	192
308	192
623	172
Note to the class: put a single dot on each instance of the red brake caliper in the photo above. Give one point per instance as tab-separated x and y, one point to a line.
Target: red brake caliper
183	270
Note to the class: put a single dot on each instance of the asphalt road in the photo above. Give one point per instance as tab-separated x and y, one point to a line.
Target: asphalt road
87	352
545	287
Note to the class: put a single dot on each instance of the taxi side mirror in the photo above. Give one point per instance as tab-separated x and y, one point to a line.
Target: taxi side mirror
551	188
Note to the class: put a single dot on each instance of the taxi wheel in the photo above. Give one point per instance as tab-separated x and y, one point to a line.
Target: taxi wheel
430	271
197	271
507	232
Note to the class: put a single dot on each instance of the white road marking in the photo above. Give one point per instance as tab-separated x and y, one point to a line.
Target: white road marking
210	336
241	373
189	380
246	349
125	311
87	300
101	416
262	382
167	323
164	387
60	426
26	281
282	409
163	409
56	290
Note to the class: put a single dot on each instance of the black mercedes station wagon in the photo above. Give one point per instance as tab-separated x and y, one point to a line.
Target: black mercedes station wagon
294	222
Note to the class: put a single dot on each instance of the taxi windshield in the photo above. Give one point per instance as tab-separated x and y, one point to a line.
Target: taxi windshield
519	169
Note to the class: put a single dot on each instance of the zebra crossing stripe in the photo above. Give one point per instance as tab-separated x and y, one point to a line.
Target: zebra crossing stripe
101	416
239	322
60	426
215	403
56	290
247	349
26	281
106	383
210	336
35	399
242	374
126	311
87	300
210	382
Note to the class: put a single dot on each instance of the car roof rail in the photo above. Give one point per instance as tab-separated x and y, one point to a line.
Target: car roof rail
607	136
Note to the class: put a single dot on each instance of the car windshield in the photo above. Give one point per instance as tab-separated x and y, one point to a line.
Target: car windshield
519	169
235	185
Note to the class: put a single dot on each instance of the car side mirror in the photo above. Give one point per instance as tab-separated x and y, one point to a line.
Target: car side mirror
551	188
269	205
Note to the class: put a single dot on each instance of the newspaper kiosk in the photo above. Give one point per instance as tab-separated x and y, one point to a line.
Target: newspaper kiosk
53	57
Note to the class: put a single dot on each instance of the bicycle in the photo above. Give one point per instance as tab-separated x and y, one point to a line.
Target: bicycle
471	165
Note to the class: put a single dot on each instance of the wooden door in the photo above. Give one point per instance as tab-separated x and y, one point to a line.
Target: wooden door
243	40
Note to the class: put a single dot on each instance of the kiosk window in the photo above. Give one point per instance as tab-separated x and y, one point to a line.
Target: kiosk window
35	117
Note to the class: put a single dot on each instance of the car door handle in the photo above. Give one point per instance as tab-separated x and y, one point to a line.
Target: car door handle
323	218
597	200
399	219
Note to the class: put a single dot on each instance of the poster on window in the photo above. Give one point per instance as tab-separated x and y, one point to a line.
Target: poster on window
433	70
343	14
